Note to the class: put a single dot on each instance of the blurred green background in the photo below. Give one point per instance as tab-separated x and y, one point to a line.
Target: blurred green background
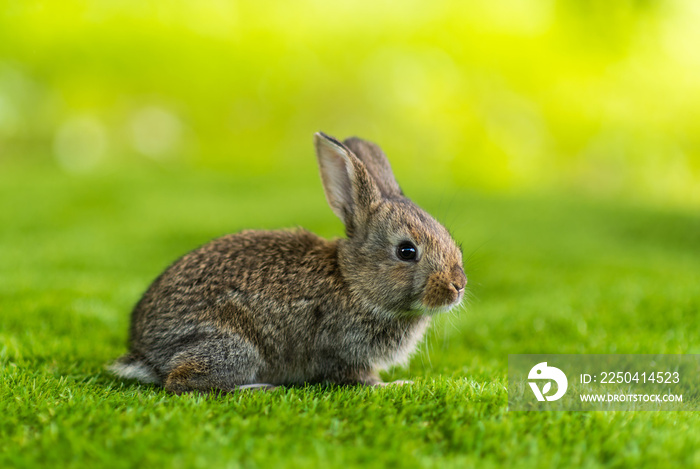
596	97
558	140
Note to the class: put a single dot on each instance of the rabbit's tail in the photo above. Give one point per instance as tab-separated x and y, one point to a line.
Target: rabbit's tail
133	367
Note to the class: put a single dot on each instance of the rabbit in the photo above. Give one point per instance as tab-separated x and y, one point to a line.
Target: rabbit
259	309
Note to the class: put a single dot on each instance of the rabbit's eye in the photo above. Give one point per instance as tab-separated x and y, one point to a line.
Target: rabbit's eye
406	251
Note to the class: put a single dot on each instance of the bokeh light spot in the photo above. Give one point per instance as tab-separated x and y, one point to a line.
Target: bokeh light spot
80	144
155	132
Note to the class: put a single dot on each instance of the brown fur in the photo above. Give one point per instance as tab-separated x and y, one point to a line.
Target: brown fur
288	307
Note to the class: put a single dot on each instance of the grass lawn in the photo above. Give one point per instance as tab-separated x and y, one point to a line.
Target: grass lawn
546	274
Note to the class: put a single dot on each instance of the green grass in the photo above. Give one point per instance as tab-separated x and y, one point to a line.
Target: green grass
547	274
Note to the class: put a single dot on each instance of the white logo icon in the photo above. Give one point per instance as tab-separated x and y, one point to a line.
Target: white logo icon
542	371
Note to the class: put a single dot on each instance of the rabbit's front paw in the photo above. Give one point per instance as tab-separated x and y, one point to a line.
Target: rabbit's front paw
257	387
399	382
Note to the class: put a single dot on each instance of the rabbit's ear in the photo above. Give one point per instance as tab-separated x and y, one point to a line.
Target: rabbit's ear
350	190
377	165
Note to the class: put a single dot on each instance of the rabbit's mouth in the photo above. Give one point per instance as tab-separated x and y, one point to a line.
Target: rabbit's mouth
431	307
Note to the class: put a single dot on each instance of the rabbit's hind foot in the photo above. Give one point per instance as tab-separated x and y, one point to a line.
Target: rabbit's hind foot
224	364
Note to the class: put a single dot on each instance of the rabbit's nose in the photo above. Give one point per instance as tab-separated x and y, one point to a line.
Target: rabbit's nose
459	279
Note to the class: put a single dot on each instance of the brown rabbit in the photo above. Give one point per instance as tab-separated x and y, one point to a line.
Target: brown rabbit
288	307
